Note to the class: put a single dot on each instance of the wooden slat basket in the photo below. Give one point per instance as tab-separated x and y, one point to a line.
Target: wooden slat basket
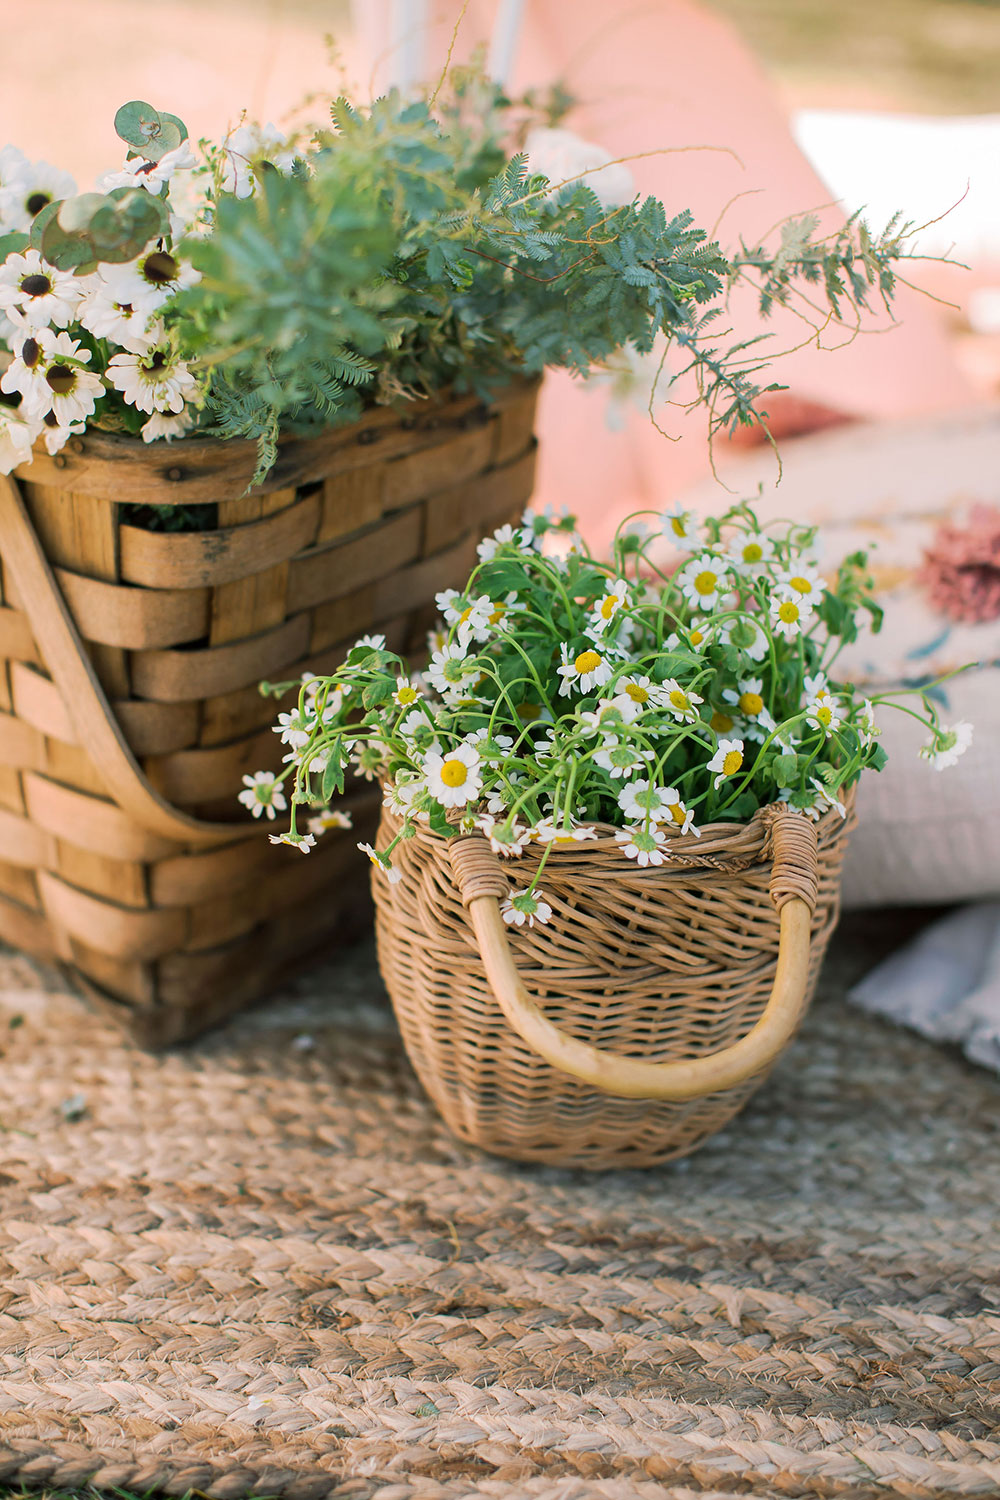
129	669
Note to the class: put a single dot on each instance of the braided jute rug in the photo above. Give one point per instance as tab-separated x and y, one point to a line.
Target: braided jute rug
261	1266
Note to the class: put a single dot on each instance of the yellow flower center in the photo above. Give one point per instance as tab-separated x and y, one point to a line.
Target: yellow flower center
732	762
636	693
528	712
677	812
608	606
677	526
721	722
465	615
454	773
406	695
706	582
753	552
751	703
800	585
498	613
679	699
788	612
696	637
587	661
824	715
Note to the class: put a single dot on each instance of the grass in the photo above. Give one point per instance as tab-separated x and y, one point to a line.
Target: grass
938	56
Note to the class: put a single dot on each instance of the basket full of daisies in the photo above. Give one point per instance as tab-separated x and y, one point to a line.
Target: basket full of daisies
616	801
262	394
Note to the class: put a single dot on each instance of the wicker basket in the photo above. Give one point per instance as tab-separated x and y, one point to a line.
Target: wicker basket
129	664
667	992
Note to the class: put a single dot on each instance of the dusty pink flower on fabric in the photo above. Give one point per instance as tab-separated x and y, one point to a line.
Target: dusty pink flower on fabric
961	571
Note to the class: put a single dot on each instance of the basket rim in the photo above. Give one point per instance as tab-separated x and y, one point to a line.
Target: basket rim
715	845
299	454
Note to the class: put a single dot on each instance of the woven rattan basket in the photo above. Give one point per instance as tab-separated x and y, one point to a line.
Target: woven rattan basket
129	665
641	1018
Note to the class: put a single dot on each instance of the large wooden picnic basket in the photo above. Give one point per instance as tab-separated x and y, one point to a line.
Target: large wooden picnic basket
641	1018
129	667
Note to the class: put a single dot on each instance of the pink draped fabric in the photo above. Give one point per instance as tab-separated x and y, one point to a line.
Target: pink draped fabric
671	74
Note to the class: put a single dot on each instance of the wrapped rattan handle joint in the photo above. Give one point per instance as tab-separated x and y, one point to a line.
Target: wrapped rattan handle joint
794	889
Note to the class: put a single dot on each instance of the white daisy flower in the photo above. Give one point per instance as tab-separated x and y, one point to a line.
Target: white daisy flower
745	635
947	745
866	725
803	583
824	713
324	821
36	295
696	636
606	715
57	434
813	686
150	175
146	283
155	380
750	554
15	167
722	722
682	817
727	760
589	669
757	721
634	695
406	693
295	728
31	189
450	671
788	613
370	643
705	581
490	746
16	439
301	841
620	758
606	608
383	863
644	845
523	538
644	799
680	703
56	381
815	806
250	150
520	907
826	799
507	839
263	794
369	760
106	317
680	526
163	425
548	832
453	777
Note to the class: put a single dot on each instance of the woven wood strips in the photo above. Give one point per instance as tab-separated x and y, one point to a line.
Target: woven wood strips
356	530
657	964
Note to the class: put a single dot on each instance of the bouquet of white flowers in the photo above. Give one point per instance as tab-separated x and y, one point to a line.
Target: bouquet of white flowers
563	694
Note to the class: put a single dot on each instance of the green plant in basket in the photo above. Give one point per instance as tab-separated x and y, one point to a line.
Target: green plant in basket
652	693
263	286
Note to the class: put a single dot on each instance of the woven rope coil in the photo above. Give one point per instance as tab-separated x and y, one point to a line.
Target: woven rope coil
659	964
116	855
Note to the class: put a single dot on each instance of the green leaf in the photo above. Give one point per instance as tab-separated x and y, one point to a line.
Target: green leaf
150	134
333	776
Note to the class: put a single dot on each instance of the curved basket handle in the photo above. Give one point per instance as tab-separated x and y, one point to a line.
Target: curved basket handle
99	732
793	890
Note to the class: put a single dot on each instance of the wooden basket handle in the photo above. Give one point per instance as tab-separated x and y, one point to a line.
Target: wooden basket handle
793	890
66	659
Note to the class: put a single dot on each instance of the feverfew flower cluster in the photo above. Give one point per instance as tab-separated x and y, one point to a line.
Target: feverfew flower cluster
99	344
638	700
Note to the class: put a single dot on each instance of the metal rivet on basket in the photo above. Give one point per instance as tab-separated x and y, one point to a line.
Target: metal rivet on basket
60	460
368	436
407	424
175	473
76	444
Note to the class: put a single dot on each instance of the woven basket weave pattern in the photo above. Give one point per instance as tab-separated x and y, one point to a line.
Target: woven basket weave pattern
357	531
653	963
